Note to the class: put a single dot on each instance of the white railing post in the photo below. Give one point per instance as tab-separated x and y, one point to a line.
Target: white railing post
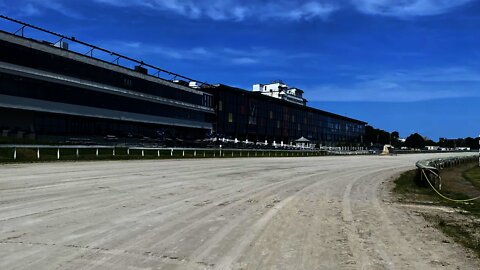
195	153
128	151
113	152
158	153
58	153
143	153
15	153
183	153
77	153
38	153
96	152
171	152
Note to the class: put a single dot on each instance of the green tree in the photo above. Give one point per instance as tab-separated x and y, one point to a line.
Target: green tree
471	142
415	141
396	139
374	136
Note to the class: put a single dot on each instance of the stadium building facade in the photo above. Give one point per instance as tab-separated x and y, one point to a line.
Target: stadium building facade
252	116
51	91
48	91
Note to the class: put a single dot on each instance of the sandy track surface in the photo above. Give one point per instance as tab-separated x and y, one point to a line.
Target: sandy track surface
268	213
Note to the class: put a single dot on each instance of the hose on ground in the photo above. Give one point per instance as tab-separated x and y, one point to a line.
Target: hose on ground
443	196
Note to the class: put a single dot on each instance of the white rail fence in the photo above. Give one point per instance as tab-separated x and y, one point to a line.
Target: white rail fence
429	172
136	151
430	169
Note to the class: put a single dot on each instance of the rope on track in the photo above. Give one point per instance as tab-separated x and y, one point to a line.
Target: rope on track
443	196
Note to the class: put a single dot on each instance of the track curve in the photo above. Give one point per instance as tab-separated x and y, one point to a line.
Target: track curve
263	213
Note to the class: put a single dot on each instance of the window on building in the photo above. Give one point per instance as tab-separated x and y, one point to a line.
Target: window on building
252	118
207	100
220	105
230	117
127	83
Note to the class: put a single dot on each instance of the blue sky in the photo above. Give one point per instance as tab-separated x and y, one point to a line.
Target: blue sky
406	65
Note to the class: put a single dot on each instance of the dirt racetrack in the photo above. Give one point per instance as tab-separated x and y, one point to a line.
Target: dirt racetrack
261	213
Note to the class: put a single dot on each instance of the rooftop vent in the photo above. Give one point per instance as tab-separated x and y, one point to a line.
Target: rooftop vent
180	82
62	44
194	84
141	69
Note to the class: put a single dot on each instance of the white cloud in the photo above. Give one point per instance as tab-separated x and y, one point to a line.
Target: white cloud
220	55
402	86
244	61
28	8
407	8
259	10
237	10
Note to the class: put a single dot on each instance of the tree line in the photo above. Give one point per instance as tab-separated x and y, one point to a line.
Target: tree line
378	137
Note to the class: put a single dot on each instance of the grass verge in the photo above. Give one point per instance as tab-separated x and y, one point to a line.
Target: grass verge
463	232
461	225
473	175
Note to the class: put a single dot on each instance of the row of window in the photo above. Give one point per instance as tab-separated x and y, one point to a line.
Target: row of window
339	127
49	62
35	89
237	104
61	125
247	115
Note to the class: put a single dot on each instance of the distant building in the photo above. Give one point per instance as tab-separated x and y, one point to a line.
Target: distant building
281	91
432	148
